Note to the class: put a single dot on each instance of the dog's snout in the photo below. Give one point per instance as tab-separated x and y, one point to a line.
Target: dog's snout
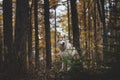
63	43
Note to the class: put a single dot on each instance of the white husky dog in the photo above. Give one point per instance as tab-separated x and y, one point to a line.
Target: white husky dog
66	49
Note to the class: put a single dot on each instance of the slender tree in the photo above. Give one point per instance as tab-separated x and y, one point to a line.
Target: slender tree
85	25
95	30
36	32
1	51
30	35
68	16
89	29
47	34
104	25
55	28
75	27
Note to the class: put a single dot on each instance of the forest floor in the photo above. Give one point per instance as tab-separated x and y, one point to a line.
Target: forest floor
54	73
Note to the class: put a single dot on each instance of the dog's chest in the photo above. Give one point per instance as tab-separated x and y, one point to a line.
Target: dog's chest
64	53
68	52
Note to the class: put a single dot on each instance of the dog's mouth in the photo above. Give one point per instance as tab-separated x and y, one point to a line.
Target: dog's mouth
63	46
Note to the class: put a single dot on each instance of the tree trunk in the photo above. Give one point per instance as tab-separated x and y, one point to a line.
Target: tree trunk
30	37
75	27
36	32
95	30
101	9
104	27
7	23
85	26
22	20
1	50
55	30
8	37
68	16
89	30
47	34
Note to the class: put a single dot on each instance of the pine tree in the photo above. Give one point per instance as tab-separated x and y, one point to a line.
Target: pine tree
75	27
47	34
22	20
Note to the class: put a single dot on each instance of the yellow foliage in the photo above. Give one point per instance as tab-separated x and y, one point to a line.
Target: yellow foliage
14	1
42	43
52	40
55	57
1	17
57	50
53	3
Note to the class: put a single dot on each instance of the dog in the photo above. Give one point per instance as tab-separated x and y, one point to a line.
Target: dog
66	50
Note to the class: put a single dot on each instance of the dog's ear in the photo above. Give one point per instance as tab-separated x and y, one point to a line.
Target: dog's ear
58	38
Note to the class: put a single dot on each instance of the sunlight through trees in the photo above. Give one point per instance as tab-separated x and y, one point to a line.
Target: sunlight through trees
31	32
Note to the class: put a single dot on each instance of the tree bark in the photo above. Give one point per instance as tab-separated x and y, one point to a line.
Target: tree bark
75	27
36	32
22	20
68	16
95	31
85	26
1	50
8	38
7	29
47	34
30	37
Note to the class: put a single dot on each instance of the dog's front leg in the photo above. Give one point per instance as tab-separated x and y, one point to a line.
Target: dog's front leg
62	67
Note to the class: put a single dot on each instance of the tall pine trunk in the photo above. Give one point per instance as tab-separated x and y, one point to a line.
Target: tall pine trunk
101	10
47	34
55	30
8	37
85	26
36	32
68	16
104	26
95	30
1	50
89	30
30	37
22	20
7	29
75	27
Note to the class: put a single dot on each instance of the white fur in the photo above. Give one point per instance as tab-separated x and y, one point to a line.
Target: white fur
66	49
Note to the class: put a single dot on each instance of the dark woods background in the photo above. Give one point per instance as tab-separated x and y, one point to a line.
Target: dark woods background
27	40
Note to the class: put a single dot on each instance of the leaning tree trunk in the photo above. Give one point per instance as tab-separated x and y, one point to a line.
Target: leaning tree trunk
75	27
22	20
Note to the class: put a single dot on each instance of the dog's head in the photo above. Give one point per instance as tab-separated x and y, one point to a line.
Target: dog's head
61	42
